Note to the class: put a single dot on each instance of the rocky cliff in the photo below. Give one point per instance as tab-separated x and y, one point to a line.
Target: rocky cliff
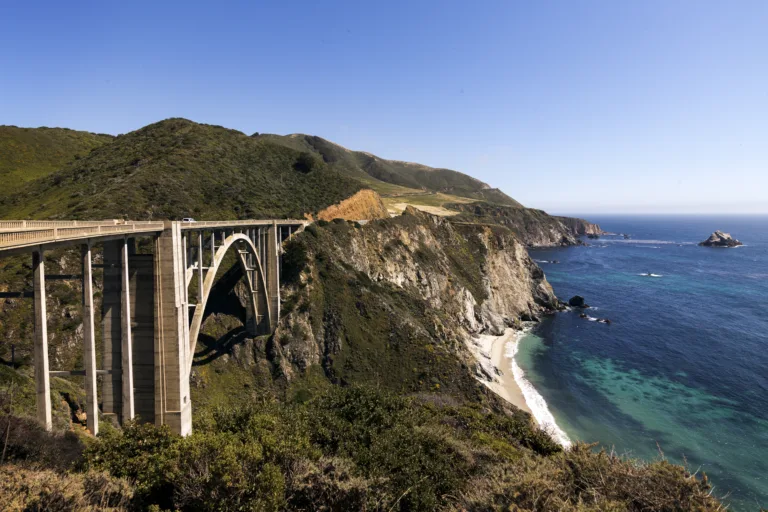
535	228
396	301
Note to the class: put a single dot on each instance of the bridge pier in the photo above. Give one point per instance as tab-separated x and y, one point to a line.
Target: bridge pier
117	386
89	343
42	375
173	406
272	264
141	283
111	329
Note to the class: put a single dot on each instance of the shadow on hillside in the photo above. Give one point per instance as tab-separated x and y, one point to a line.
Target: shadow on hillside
215	348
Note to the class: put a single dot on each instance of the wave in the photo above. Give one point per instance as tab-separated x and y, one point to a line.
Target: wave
533	399
651	275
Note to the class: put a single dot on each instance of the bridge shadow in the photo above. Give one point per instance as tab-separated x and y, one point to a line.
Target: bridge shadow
213	348
223	298
222	301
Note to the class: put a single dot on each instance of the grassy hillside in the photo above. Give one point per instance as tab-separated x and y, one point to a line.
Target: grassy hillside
27	154
177	168
392	177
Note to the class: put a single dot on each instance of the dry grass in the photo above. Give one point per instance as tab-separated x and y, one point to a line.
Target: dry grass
430	202
27	488
580	479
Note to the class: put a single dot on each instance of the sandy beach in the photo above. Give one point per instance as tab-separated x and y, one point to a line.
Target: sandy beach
491	351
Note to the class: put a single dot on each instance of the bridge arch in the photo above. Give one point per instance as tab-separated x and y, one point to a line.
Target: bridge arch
256	281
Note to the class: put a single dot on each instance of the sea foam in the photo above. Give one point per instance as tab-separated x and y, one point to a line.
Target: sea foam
533	399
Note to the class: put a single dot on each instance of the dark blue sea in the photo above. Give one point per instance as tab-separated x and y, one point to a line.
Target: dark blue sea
683	367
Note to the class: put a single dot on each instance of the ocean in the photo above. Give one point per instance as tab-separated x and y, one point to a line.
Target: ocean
682	370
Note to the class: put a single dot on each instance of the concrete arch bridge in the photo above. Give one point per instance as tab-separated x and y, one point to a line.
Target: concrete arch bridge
150	320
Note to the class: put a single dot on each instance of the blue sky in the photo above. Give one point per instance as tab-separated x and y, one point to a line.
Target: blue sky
587	106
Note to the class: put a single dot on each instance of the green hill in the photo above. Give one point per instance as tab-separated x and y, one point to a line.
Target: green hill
177	168
27	154
393	177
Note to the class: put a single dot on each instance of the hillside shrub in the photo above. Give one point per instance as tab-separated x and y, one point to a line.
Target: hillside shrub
28	442
382	433
141	452
306	163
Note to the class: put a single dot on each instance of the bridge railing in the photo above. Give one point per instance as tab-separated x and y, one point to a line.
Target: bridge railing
32	224
39	234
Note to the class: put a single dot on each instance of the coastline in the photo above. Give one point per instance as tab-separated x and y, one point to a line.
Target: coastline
505	385
499	371
535	403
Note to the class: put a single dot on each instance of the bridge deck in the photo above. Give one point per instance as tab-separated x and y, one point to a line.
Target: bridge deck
19	236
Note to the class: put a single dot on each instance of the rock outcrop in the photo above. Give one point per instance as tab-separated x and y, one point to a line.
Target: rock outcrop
720	239
363	205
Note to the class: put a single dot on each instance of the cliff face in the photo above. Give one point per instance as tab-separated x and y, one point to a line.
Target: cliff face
535	228
363	205
580	227
397	300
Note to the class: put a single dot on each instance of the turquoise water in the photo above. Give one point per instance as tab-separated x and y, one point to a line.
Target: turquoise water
683	368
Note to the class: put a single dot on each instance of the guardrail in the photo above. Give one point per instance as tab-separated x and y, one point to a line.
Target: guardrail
240	223
39	235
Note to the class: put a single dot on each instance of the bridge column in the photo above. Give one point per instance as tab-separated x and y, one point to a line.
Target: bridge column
117	387
272	263
111	329
173	406
126	335
89	344
141	274
42	377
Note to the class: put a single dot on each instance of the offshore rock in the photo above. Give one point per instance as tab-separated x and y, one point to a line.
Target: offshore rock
720	239
577	301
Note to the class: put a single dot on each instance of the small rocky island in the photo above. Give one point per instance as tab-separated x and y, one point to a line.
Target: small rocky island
720	239
577	301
